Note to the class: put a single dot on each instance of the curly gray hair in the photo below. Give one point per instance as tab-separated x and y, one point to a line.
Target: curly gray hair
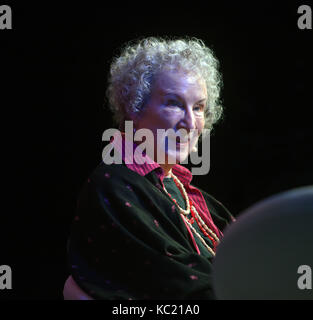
132	73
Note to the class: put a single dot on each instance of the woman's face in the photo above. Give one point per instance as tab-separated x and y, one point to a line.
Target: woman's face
177	101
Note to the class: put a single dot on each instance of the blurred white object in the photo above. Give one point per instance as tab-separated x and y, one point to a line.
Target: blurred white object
261	254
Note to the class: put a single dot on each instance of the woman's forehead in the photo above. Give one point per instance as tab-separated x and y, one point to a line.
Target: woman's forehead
181	83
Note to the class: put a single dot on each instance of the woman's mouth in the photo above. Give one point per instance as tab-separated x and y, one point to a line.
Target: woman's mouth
182	144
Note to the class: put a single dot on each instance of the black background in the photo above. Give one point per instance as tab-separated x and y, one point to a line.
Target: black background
54	65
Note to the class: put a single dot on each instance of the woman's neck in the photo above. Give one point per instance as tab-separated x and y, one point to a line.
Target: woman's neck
167	169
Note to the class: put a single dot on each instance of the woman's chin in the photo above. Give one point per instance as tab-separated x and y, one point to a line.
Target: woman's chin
178	156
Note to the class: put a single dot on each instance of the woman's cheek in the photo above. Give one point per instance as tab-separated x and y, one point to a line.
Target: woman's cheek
200	123
172	112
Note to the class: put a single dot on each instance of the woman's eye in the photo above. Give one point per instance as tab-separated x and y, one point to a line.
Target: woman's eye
199	108
173	103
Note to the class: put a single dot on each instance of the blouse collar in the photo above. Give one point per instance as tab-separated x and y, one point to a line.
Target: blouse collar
127	149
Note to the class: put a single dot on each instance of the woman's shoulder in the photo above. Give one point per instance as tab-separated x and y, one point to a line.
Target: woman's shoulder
116	180
111	184
112	174
102	170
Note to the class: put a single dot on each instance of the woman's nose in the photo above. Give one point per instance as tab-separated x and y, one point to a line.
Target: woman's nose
188	120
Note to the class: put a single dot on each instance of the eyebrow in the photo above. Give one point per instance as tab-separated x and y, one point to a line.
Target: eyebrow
168	92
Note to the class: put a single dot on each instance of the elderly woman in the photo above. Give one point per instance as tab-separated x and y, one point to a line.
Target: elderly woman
142	230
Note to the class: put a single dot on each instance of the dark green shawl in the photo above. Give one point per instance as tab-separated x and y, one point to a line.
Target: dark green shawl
124	245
